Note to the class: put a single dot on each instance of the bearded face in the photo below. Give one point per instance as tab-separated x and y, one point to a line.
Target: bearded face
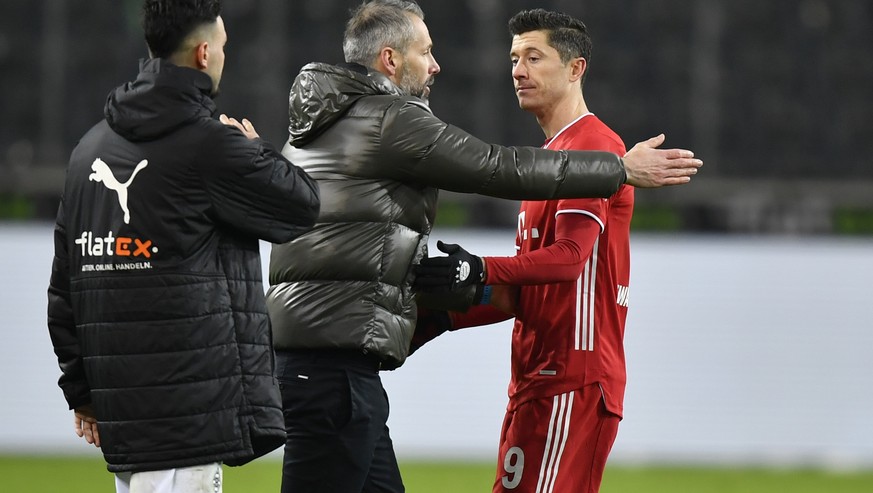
414	83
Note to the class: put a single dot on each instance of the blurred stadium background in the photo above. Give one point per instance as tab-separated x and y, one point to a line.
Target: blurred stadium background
749	333
776	96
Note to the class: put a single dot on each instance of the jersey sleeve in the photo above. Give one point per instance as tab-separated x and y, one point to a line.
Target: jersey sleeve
563	260
476	316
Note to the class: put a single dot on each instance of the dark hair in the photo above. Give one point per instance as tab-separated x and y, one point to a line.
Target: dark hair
377	24
566	34
168	22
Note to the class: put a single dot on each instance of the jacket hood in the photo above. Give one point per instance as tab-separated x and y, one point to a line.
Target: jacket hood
322	93
162	98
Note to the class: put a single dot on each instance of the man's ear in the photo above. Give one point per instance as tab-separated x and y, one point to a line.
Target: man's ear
389	59
201	55
578	66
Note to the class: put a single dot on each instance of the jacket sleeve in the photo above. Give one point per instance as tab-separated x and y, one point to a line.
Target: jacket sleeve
253	188
439	155
62	325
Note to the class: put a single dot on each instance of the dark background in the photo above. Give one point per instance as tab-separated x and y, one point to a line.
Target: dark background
776	96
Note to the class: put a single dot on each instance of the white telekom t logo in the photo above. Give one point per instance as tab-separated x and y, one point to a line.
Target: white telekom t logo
104	175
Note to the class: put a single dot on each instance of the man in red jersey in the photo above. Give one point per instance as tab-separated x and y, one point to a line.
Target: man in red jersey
567	286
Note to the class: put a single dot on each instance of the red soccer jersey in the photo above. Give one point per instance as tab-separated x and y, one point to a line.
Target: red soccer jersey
570	317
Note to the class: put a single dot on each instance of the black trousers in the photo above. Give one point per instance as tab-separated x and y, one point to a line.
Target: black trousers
336	412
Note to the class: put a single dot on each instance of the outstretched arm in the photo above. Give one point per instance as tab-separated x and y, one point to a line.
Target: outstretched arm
443	156
430	152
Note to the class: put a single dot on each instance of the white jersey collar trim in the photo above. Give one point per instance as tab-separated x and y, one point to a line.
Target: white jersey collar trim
565	128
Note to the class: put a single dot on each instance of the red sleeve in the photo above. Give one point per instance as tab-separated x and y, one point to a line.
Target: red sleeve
563	260
478	315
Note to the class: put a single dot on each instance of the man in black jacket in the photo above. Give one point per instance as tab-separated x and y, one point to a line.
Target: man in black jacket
156	307
340	296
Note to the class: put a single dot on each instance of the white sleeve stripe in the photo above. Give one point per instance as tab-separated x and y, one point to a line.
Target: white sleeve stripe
584	213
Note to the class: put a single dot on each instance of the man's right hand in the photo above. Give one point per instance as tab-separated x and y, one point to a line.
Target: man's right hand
649	167
245	126
86	425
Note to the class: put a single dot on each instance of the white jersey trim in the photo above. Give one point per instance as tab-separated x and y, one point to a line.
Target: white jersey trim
565	128
583	212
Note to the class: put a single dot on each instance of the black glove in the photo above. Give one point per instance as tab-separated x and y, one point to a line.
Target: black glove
457	271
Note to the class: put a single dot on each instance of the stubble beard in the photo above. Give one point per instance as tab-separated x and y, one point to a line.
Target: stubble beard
408	84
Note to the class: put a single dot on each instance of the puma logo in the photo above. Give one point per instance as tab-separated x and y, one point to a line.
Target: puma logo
104	175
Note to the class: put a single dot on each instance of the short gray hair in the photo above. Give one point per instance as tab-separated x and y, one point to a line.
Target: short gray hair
377	24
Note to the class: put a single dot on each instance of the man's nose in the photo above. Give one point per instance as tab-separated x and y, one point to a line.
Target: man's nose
518	71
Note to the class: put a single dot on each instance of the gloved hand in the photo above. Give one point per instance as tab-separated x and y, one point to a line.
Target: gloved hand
457	271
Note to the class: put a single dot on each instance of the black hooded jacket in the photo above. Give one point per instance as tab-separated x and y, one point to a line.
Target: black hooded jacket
156	304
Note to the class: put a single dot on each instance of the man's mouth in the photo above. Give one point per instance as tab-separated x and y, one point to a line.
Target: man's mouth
427	85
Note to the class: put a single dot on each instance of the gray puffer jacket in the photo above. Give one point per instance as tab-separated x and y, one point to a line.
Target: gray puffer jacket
380	158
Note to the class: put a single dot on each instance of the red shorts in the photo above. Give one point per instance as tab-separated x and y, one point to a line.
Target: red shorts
556	444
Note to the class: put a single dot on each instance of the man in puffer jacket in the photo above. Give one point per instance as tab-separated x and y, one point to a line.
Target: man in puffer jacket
156	305
340	297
